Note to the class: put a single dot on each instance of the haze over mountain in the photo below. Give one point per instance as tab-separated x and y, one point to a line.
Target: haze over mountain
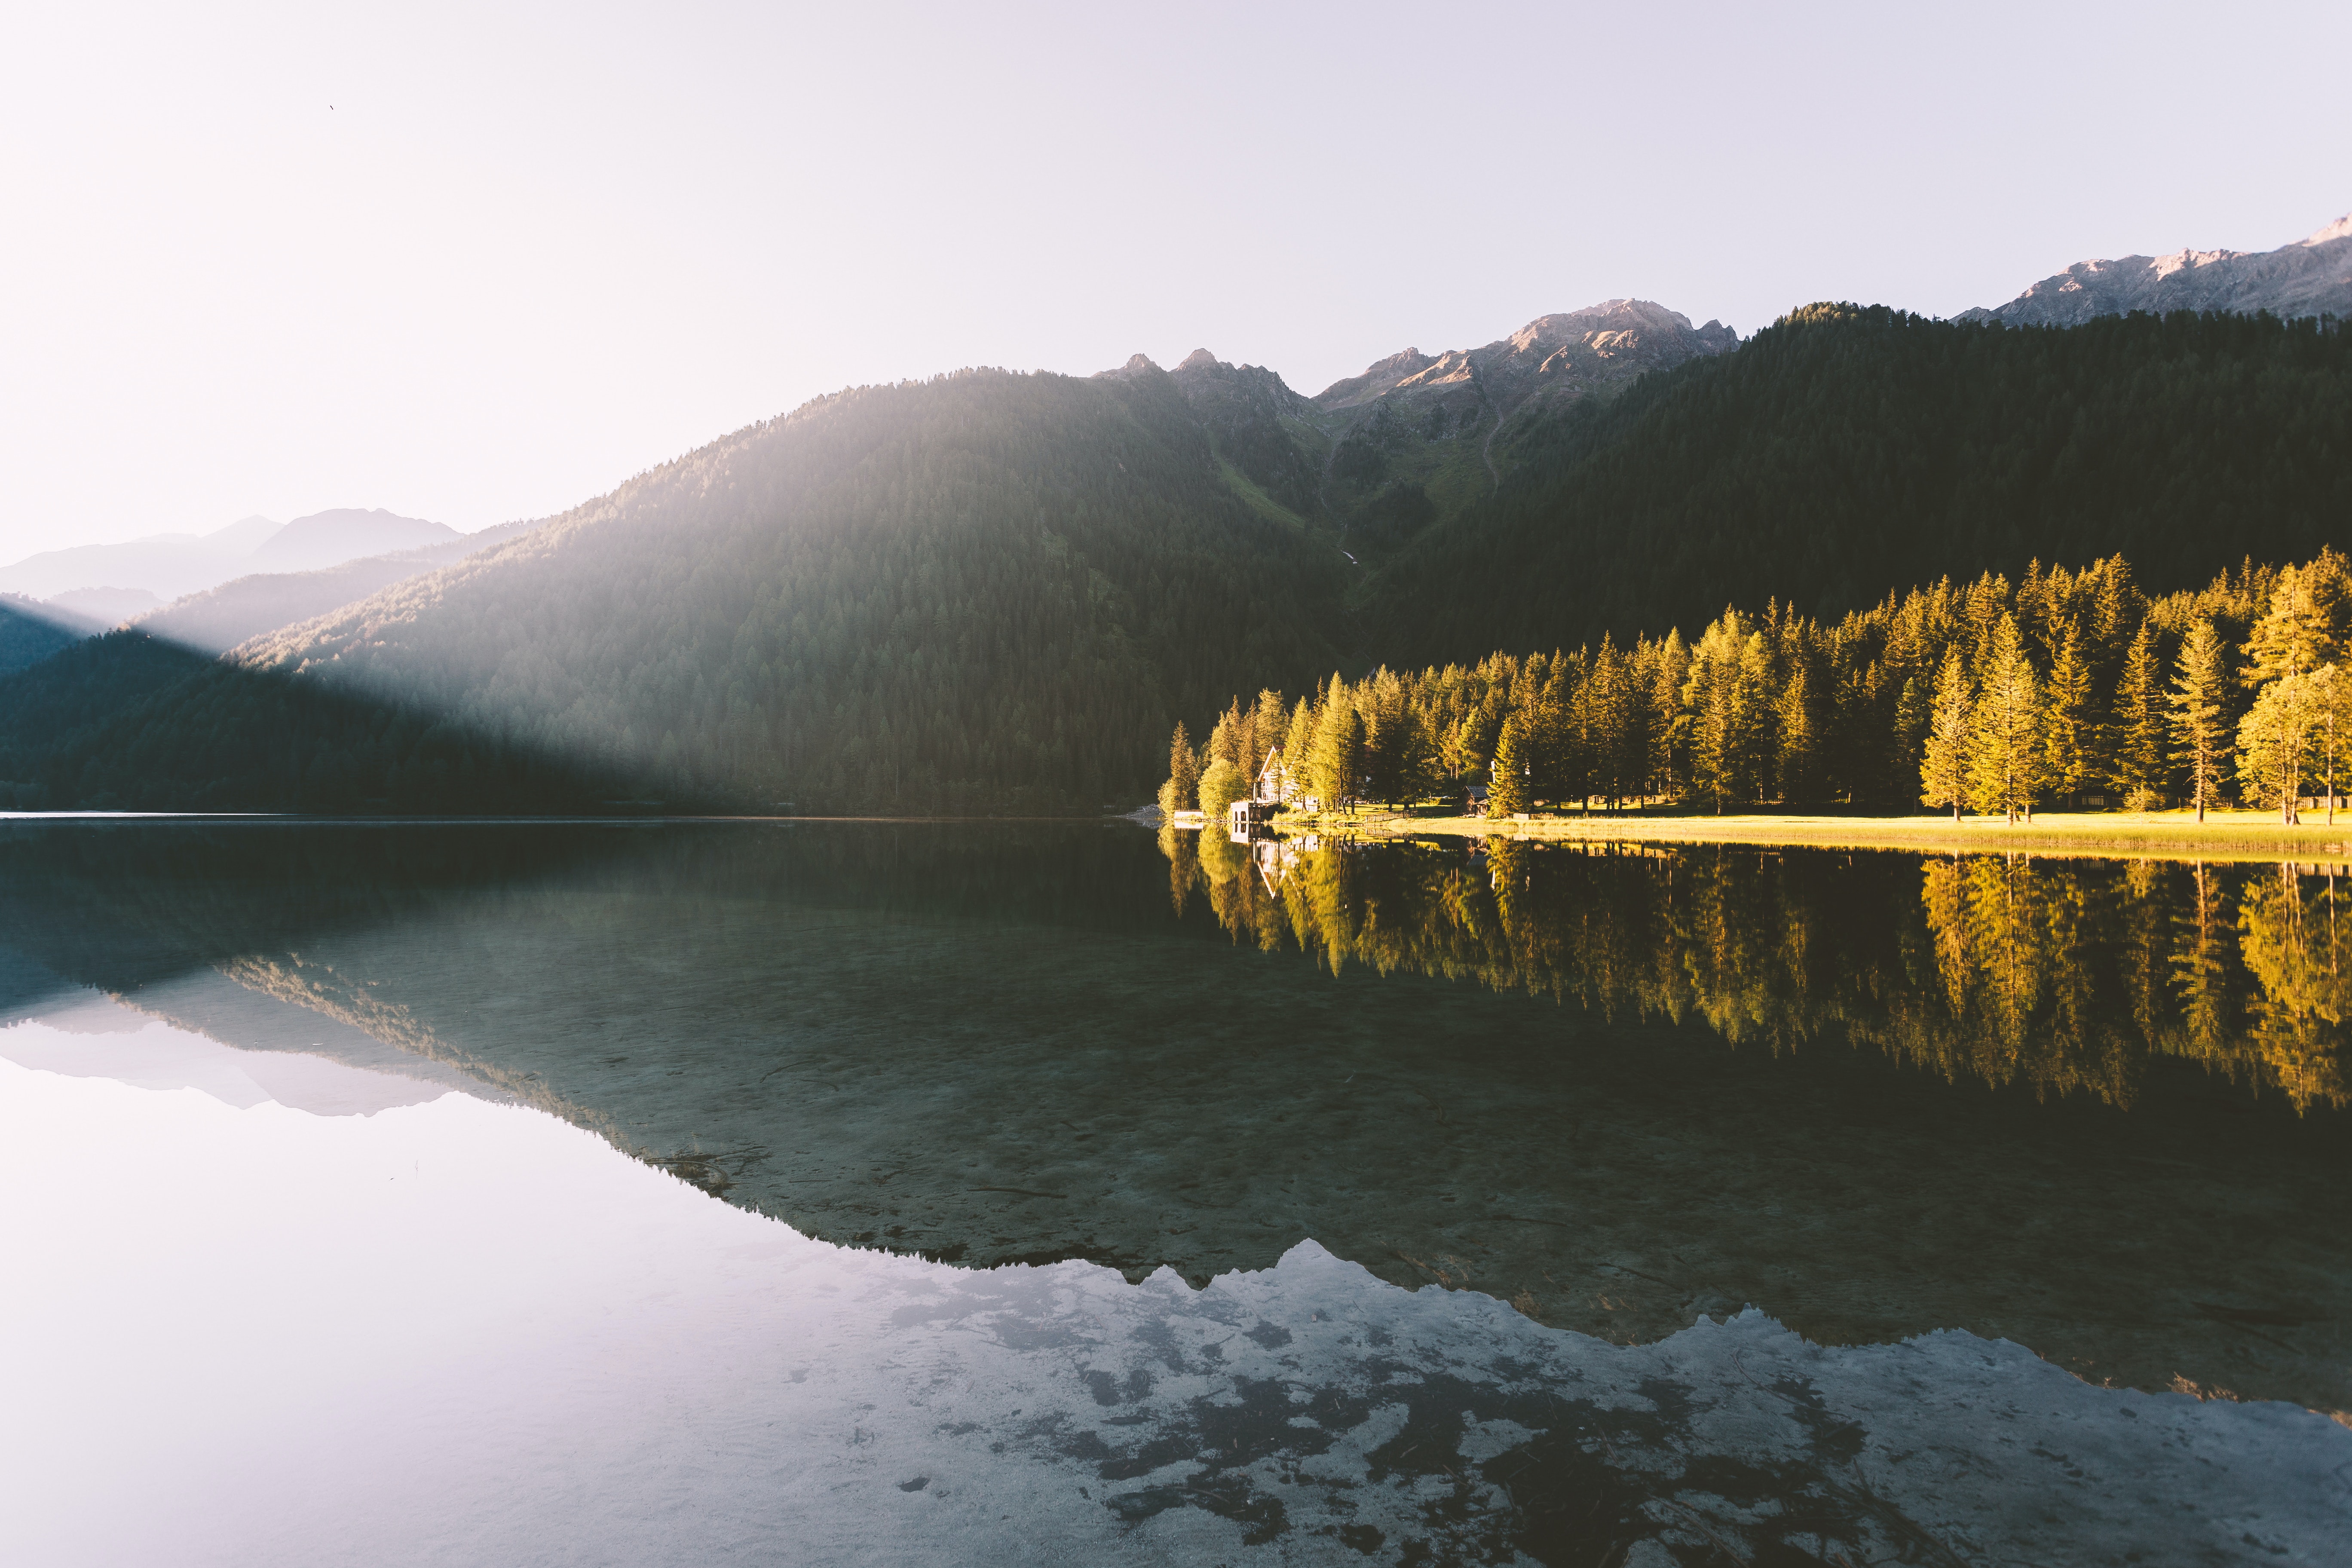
246	607
171	564
2312	277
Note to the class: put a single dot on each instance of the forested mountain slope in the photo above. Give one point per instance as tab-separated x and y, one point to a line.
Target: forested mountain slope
30	633
988	592
1846	449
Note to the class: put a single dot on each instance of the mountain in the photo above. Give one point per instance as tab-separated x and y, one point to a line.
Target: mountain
347	533
1551	359
105	606
1847	451
996	592
164	564
169	565
1257	423
1415	438
219	619
2312	277
30	631
985	592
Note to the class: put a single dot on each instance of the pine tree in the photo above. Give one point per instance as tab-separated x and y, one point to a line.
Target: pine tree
1508	777
1944	770
2200	743
2070	726
2302	623
1183	785
1338	763
1669	724
2005	748
1799	764
2136	740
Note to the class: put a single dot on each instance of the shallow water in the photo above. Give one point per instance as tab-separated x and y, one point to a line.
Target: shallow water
1620	1092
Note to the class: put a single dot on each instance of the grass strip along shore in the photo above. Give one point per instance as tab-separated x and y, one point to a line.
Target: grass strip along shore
2222	836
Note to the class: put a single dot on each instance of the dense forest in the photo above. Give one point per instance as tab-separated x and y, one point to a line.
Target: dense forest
1992	698
995	593
1845	451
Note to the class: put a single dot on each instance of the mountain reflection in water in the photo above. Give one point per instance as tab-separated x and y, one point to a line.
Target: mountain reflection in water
2092	1107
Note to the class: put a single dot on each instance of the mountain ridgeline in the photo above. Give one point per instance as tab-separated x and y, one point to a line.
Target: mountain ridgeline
986	592
996	592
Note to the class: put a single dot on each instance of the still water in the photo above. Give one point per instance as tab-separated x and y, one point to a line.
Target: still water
1403	1202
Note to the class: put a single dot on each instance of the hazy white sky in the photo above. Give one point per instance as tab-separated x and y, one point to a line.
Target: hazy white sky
531	250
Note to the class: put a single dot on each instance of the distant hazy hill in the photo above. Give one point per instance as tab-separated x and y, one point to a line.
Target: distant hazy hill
1847	451
164	564
104	607
2309	278
219	619
346	533
169	565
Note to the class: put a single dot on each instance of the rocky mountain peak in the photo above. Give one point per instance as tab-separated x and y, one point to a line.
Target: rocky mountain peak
2340	229
1137	364
2309	277
1562	355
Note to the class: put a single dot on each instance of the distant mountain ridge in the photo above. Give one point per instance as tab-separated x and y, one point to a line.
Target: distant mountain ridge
2310	277
170	565
218	619
1552	357
1416	438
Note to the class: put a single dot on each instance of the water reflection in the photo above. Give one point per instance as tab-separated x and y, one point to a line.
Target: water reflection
2066	975
465	1333
1000	1045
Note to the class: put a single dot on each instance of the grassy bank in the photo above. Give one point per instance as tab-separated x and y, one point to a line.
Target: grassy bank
2222	836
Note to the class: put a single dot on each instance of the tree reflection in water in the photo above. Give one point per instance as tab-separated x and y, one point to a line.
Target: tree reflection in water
2066	975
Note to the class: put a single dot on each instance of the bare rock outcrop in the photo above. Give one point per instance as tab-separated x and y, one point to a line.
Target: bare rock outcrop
1551	358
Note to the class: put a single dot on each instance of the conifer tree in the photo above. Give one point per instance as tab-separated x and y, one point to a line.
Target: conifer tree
1944	768
1298	742
1337	762
2301	626
1510	774
2137	737
2200	743
1266	726
1183	785
1800	766
2070	726
2005	746
1915	711
1669	724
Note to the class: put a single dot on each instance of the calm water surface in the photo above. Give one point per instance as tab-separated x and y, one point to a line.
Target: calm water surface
2093	1108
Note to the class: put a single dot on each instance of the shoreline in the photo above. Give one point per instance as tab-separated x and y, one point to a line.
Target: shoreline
2223	836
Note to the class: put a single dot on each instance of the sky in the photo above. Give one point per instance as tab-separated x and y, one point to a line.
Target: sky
480	263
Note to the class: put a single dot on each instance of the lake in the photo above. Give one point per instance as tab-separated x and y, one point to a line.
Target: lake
1414	1202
